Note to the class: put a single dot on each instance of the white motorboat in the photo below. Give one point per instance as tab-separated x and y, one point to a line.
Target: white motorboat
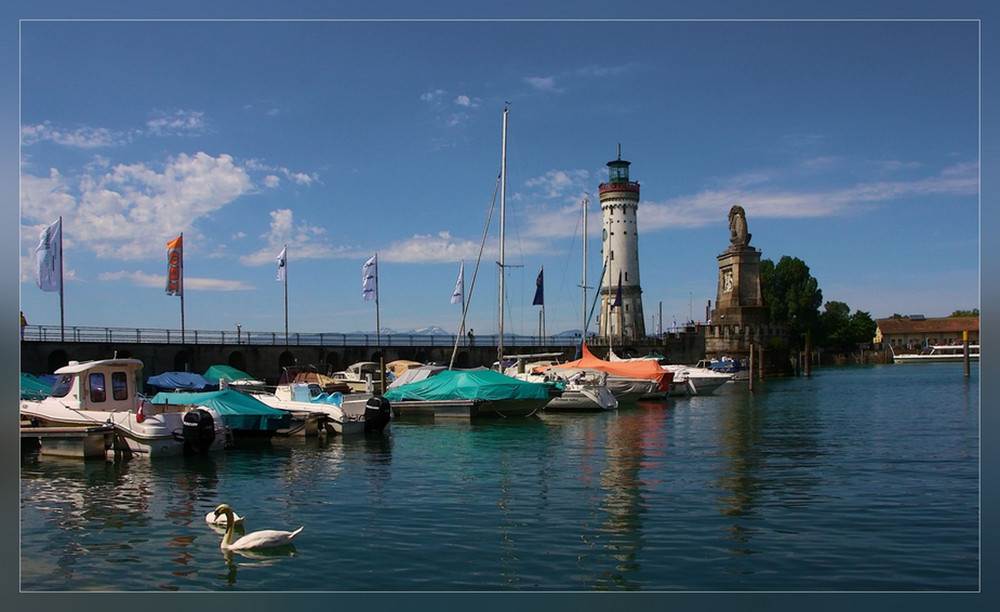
361	377
105	393
939	353
581	391
690	380
345	414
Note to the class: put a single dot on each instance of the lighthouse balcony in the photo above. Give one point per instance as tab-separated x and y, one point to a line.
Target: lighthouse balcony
612	187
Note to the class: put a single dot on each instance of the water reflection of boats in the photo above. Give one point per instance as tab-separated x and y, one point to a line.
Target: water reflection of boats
105	392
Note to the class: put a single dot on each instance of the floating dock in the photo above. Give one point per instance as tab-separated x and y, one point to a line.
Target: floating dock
80	442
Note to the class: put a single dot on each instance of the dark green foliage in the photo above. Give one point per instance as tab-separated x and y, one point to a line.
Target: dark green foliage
965	313
839	330
793	296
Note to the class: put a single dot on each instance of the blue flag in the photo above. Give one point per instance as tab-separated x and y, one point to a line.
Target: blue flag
539	290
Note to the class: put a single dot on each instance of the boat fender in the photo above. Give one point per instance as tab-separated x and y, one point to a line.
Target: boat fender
199	431
378	414
140	414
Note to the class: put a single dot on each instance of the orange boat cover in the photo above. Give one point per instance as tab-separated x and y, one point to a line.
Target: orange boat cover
629	369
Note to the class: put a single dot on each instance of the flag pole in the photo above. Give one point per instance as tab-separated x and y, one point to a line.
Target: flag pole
378	335
62	273
285	275
181	266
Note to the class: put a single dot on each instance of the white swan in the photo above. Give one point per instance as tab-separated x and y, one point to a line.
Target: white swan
212	518
267	538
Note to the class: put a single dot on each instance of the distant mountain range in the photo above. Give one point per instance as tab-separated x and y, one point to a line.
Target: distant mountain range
434	330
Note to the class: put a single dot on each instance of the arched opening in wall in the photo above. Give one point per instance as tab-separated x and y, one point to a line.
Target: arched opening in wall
462	359
237	360
333	360
182	361
123	354
286	359
57	359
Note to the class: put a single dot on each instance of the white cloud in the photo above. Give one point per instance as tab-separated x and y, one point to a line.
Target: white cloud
432	96
176	123
143	279
542	83
557	183
82	138
131	210
442	248
304	241
271	181
464	100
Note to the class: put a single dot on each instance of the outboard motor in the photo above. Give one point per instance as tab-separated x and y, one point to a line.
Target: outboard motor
378	414
199	431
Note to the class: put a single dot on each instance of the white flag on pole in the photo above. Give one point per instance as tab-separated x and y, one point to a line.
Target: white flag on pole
281	264
48	258
369	279
458	295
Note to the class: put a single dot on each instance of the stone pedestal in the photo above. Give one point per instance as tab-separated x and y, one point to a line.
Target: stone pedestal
739	299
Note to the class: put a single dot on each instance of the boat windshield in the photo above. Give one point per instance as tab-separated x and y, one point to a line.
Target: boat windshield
62	386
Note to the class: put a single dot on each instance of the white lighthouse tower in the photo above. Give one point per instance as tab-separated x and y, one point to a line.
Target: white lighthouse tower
621	297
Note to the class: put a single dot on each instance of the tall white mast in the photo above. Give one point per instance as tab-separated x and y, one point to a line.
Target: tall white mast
503	200
583	284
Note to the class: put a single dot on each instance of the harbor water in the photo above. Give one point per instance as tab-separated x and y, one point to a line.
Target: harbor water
853	479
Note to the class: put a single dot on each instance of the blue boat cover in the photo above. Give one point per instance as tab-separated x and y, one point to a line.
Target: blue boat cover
469	384
184	381
238	410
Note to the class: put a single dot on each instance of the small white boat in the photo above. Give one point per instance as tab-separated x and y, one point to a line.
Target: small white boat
346	415
104	392
940	353
581	391
690	380
361	377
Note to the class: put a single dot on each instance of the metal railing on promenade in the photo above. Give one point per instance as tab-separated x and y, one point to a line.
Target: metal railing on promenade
53	333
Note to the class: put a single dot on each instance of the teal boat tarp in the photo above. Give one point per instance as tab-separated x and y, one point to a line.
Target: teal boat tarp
469	384
224	372
33	387
239	411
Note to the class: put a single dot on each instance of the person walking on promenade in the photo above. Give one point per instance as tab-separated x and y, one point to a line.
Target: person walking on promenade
472	339
24	323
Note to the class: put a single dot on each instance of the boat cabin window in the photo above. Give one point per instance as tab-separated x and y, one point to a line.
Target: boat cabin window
119	386
97	388
62	385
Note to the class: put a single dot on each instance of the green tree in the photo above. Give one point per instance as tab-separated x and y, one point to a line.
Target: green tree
793	296
965	313
839	330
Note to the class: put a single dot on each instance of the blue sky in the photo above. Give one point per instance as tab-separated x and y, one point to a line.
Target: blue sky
852	145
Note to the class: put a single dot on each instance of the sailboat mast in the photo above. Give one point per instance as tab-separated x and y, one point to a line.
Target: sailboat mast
503	202
583	284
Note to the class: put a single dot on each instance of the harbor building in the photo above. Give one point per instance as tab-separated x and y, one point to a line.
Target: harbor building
916	331
621	317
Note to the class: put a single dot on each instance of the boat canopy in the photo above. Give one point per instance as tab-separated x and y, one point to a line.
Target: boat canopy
179	381
628	369
415	374
238	410
396	368
33	387
224	372
469	384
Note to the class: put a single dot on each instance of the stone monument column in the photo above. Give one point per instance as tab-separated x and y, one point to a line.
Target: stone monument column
739	300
